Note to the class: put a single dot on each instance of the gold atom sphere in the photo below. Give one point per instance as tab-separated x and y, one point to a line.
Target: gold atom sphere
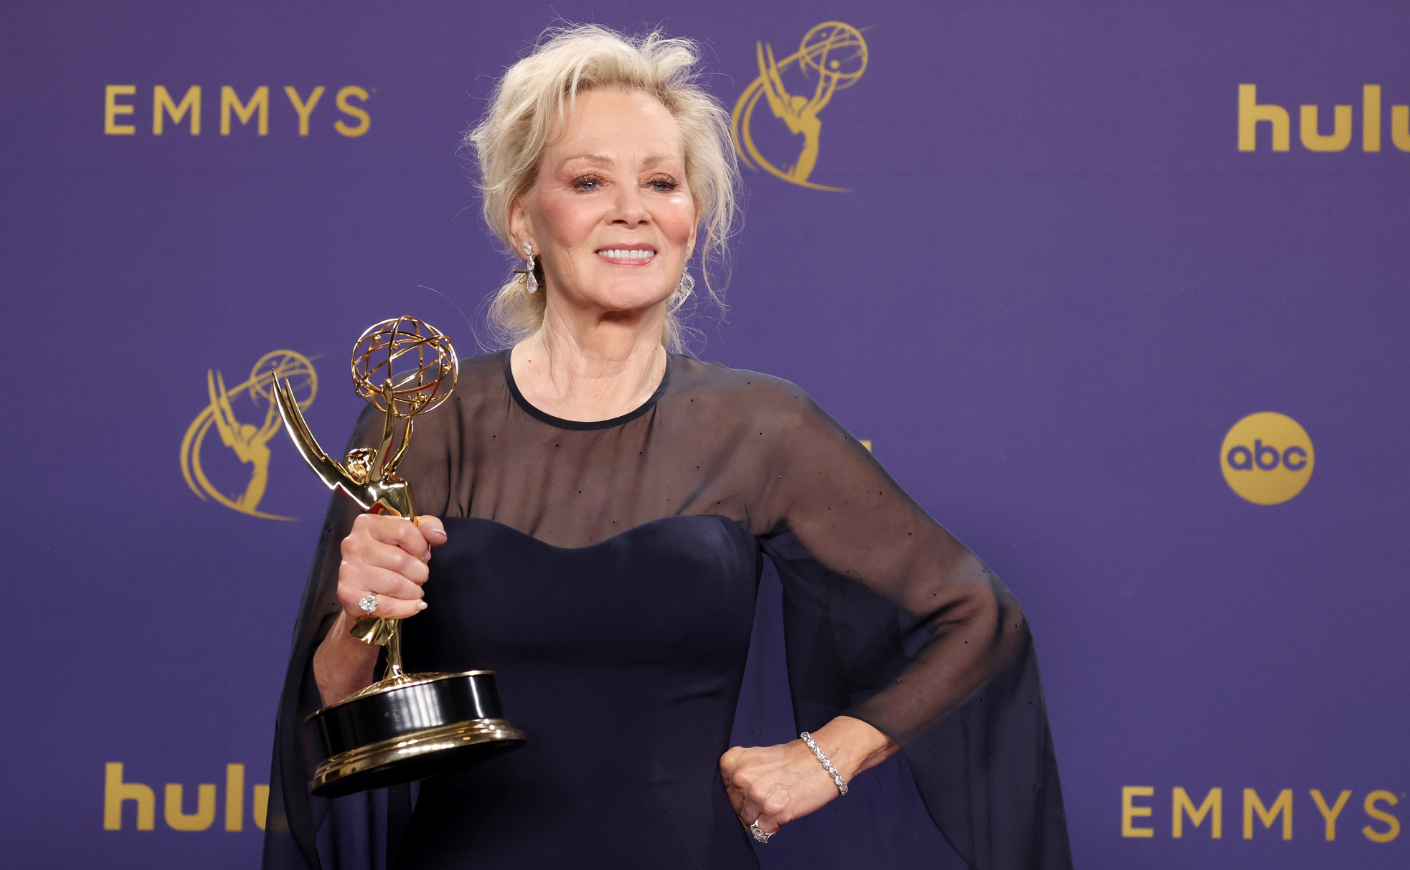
415	356
834	49
286	365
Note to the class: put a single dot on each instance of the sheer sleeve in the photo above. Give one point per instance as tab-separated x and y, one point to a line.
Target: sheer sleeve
353	831
294	817
891	620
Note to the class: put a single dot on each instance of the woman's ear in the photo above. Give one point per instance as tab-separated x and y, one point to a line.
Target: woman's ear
520	227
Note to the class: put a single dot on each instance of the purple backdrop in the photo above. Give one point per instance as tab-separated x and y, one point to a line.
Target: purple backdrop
1055	284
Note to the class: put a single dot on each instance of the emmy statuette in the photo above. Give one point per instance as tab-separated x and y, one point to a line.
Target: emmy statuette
404	727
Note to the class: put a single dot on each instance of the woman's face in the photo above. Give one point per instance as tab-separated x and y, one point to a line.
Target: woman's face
610	211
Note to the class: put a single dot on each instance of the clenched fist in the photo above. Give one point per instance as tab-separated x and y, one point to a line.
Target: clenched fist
384	556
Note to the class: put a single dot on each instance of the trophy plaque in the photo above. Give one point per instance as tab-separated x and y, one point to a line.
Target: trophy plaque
404	727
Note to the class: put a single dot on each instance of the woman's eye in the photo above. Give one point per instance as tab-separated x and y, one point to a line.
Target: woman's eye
663	184
587	183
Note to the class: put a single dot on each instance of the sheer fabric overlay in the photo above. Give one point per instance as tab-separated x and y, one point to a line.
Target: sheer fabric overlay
888	618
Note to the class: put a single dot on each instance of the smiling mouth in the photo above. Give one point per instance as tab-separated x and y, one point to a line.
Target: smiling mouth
627	256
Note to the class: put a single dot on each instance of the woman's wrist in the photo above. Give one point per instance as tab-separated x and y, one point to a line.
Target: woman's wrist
342	664
853	745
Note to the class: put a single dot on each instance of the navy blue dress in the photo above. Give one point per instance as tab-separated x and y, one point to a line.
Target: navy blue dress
630	676
608	572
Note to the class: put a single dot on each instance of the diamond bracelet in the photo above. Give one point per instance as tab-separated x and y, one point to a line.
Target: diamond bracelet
827	765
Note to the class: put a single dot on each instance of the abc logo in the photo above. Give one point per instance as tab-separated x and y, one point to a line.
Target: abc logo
1267	458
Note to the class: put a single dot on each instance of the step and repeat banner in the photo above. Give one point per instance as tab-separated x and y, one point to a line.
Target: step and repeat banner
1118	291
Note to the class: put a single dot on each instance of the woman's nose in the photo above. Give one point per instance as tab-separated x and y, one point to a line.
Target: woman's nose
629	208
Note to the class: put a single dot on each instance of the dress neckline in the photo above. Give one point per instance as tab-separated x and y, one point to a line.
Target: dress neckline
563	423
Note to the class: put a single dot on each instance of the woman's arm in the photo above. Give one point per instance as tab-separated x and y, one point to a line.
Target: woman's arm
342	664
855	521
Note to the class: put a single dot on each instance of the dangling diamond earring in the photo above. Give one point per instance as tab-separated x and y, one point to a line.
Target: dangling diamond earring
682	288
531	283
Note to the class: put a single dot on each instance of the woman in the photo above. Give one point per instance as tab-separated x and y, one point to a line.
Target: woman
597	509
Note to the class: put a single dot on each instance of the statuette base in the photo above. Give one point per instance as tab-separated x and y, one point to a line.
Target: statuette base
409	728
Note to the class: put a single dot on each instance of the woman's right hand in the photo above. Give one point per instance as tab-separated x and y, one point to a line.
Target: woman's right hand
383	556
386	556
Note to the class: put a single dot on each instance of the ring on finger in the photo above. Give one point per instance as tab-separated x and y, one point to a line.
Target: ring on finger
368	604
758	833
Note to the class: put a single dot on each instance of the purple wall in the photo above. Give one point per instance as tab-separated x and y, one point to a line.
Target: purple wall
1055	284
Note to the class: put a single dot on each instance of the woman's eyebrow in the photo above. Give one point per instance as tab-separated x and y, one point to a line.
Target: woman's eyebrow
604	160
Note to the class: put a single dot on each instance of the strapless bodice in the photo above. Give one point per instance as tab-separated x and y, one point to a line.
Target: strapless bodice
622	662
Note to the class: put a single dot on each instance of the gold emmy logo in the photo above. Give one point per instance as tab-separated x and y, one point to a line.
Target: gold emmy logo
249	443
833	53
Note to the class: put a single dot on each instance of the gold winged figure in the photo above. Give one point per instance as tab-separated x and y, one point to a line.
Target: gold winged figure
250	443
797	111
367	475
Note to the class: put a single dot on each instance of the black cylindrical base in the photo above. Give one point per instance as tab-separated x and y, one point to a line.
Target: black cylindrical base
429	725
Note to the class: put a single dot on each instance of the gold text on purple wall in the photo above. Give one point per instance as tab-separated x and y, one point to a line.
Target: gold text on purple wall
122	101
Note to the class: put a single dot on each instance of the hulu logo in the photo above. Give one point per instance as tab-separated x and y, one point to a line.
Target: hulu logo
1311	123
116	793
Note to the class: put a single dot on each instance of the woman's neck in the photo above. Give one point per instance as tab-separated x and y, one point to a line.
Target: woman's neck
588	372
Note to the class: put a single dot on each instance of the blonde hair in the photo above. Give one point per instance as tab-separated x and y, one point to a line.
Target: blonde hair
539	90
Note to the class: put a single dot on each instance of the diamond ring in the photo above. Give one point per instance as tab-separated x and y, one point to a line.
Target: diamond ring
758	833
368	603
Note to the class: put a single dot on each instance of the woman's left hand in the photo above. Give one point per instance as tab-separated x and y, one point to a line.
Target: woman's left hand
776	784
